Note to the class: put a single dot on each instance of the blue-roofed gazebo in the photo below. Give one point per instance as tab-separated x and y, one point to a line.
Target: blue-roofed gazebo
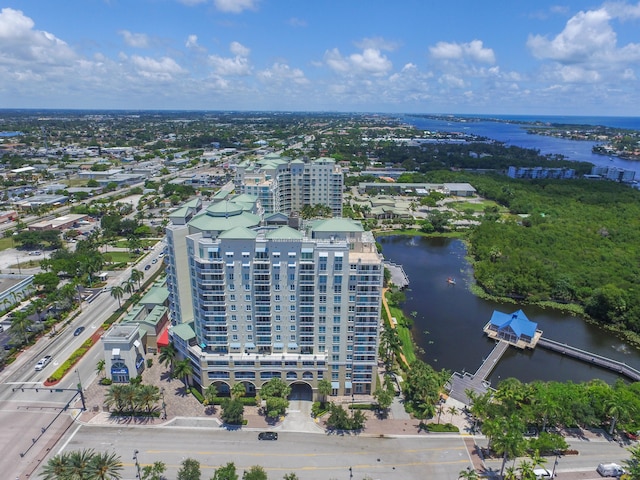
514	328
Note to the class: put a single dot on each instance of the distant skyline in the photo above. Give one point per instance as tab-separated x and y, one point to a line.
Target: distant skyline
407	56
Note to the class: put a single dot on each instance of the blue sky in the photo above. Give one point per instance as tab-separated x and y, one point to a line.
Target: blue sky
454	56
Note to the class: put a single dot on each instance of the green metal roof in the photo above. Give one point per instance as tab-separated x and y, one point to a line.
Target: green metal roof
239	233
285	233
337	225
156	296
180	212
206	222
222	209
184	331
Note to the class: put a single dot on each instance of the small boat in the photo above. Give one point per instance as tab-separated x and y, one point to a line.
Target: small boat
451	281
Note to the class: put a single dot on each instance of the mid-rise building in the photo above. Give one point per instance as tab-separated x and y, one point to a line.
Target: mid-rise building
285	185
252	301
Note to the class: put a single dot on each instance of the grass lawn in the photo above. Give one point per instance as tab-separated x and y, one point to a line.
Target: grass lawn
120	257
475	206
404	334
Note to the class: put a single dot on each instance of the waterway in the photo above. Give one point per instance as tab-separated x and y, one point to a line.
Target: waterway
516	134
448	319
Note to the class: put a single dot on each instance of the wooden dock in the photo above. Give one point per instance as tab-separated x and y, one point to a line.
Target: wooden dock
459	383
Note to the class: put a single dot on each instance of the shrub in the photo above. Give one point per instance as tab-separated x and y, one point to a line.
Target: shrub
442	427
363	406
149	362
106	381
198	395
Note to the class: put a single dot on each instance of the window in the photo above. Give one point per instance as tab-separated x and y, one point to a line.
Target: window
247	298
292	298
249	337
234	318
278	327
292	338
337	299
249	328
277	298
247	308
234	328
292	308
232	297
292	287
277	308
234	337
322	299
278	338
335	358
336	338
336	309
248	318
322	329
232	307
278	319
292	318
292	328
352	298
247	287
321	338
276	287
335	349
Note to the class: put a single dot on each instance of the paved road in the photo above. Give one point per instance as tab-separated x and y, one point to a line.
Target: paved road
311	457
31	420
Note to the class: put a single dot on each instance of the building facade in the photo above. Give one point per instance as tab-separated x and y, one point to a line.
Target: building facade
251	302
285	185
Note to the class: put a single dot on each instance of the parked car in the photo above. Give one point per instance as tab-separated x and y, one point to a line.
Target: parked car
610	470
147	267
267	436
43	362
541	473
78	331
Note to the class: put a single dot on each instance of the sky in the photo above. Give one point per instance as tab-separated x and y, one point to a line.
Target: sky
402	56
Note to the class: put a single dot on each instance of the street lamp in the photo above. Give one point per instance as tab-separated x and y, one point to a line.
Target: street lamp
135	457
555	463
164	405
350	473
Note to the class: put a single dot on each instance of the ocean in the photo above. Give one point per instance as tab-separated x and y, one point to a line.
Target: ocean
497	128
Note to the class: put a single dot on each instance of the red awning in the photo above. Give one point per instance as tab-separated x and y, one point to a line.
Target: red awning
163	339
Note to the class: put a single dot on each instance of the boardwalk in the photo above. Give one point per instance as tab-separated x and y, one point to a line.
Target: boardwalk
459	383
588	357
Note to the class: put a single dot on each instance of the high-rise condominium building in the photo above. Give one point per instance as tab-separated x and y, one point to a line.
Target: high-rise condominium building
252	301
285	185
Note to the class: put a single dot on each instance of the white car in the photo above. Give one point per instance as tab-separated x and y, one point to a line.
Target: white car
43	363
542	473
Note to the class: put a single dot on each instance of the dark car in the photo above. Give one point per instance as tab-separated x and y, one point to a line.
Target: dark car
78	331
147	267
267	436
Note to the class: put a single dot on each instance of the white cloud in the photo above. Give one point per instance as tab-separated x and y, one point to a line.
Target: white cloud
370	61
587	35
281	72
20	44
192	42
163	69
238	49
474	51
235	6
297	22
377	43
136	40
232	66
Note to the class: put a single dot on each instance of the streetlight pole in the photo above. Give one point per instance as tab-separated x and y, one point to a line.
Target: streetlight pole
164	405
135	457
555	463
350	473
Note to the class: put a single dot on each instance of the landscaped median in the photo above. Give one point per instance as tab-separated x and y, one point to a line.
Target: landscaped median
75	357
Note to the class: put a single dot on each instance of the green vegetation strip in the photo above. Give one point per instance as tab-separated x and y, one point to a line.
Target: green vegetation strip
71	361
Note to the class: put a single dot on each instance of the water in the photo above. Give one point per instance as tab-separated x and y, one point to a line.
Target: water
449	319
516	134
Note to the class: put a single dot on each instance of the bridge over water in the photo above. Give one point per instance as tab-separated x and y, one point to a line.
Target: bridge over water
477	382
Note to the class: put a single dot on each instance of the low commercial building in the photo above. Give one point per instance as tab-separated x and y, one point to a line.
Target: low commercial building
124	352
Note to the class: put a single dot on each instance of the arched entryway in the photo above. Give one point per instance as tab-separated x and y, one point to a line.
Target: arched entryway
301	391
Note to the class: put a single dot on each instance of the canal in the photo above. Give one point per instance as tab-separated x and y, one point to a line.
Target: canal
448	319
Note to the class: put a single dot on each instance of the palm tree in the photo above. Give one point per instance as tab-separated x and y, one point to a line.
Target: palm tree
20	327
182	369
617	409
526	470
168	356
147	395
128	287
56	467
137	276
238	390
468	474
105	466
452	411
324	388
79	463
100	367
117	292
